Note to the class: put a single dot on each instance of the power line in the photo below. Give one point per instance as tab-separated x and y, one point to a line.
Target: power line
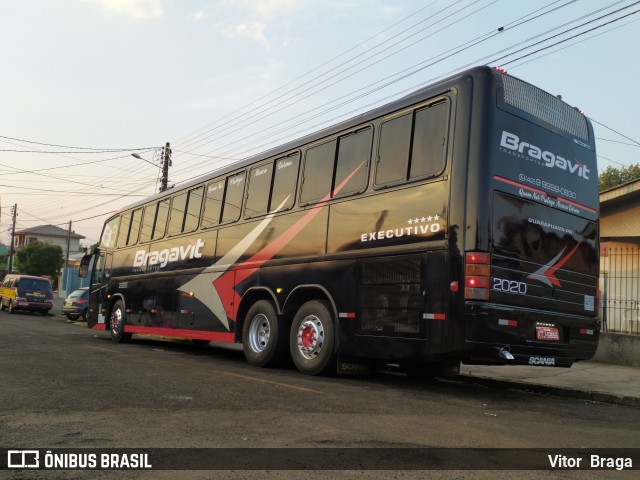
465	46
493	32
635	142
97	150
361	95
48	152
574	36
64	192
291	82
315	114
316	82
617	141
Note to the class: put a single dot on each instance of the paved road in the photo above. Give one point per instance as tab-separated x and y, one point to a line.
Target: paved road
64	386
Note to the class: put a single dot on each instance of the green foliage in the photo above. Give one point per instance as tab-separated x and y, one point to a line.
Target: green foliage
612	177
39	259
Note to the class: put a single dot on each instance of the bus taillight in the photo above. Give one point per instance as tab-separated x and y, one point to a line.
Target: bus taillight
477	275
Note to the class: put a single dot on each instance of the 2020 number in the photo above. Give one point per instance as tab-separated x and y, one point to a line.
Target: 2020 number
509	286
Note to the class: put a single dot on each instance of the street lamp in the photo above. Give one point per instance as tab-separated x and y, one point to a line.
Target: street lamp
166	163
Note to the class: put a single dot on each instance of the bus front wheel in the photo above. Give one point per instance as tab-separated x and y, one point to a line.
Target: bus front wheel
264	335
117	323
312	338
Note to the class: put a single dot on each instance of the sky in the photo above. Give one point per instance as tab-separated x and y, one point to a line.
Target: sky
86	83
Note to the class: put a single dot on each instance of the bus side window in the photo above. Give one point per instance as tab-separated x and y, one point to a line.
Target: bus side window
429	141
110	233
123	232
318	172
178	208
148	219
283	192
393	152
233	198
213	204
185	211
258	191
354	151
161	219
413	145
96	275
136	217
194	205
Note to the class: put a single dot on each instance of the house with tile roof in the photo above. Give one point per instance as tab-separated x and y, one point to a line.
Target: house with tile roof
48	234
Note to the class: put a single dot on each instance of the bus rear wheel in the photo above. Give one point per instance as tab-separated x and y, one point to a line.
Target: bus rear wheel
117	323
264	335
312	338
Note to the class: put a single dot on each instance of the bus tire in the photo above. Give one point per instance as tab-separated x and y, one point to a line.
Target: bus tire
10	308
264	335
117	321
312	338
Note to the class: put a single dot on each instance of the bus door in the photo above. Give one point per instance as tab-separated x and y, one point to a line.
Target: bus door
98	302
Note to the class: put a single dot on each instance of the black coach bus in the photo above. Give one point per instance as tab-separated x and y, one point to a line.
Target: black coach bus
459	223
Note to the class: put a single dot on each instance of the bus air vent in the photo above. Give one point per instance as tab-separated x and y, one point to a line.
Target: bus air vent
544	106
391	298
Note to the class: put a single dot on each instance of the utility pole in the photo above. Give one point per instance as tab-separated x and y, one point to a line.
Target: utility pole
13	232
66	261
166	163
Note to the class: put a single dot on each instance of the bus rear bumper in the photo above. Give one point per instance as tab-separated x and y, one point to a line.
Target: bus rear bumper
519	336
488	354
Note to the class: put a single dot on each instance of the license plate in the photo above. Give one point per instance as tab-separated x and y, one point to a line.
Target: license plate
547	334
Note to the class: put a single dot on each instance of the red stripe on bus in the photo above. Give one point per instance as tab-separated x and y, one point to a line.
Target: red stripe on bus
542	192
225	284
550	273
99	326
180	333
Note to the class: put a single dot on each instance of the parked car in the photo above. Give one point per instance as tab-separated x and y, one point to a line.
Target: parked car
26	292
76	304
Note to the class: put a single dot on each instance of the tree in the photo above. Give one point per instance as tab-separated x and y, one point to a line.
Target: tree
612	177
39	259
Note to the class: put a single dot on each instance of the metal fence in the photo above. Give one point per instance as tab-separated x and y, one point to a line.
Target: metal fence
620	287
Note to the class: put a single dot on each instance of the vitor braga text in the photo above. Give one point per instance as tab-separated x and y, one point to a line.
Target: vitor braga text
595	461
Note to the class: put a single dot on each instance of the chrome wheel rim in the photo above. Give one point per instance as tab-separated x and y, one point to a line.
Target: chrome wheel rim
310	337
116	321
259	331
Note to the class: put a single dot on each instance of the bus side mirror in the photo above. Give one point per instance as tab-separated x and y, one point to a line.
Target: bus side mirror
83	271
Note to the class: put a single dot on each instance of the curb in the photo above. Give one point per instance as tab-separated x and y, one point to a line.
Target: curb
592	396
